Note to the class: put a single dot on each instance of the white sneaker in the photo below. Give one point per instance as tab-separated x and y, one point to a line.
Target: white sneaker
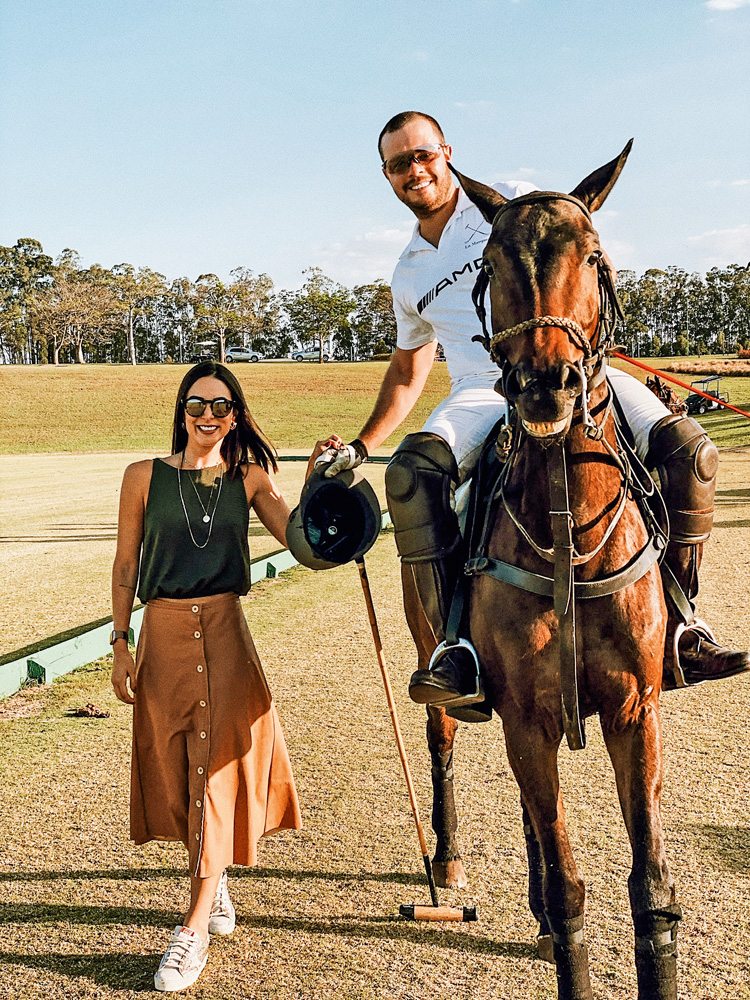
183	961
222	919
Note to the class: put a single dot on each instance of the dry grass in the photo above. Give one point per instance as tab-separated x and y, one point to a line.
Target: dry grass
97	408
86	914
710	366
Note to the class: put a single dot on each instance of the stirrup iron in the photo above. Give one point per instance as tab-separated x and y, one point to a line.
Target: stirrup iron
440	650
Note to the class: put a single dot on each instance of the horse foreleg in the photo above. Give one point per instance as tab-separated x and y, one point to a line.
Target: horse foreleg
447	867
536	887
637	759
533	758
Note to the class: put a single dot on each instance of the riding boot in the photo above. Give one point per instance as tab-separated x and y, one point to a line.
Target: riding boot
687	462
695	656
420	480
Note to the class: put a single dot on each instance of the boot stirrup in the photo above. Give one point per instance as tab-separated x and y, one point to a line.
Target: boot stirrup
696	625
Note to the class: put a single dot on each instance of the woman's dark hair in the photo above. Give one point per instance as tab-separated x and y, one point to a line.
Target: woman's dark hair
246	442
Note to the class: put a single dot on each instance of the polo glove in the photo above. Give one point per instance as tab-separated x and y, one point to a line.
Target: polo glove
348	456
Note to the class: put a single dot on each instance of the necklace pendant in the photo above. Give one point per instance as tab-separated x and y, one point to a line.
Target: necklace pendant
206	518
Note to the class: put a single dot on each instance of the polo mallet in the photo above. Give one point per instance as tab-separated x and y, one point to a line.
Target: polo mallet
435	911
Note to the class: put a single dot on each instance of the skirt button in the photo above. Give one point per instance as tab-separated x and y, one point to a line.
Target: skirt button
197	635
196	609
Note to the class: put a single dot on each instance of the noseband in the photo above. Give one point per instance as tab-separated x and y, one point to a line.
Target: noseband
610	310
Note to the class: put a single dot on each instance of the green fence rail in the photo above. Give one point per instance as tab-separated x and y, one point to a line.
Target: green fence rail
43	662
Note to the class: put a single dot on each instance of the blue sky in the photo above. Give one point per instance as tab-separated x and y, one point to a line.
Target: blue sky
201	136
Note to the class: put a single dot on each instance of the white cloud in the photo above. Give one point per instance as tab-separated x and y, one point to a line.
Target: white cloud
724	246
741	182
420	56
367	257
726	4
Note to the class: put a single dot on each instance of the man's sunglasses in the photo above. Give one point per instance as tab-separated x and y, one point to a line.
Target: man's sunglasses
422	154
220	407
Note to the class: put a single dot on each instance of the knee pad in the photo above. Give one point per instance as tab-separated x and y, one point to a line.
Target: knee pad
687	461
419	482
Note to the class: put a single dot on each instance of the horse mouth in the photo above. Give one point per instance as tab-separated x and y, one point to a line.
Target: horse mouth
545	428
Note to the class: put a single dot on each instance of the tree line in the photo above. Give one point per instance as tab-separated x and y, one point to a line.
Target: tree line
58	311
672	313
54	311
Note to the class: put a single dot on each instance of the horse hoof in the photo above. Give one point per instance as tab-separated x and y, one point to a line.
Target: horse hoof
544	948
449	874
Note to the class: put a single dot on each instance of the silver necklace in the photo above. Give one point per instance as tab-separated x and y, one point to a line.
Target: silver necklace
207	518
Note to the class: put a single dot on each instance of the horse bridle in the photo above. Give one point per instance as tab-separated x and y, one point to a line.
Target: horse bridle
610	309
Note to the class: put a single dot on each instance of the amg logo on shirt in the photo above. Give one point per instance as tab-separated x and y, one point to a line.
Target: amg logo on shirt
472	265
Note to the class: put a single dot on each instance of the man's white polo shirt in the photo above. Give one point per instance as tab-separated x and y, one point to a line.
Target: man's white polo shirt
432	288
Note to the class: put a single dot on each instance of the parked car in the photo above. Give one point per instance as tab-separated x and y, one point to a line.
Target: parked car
241	354
310	354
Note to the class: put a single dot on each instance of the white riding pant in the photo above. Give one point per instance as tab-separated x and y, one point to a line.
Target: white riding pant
468	414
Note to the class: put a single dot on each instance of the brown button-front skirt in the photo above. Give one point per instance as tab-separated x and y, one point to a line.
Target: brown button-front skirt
210	764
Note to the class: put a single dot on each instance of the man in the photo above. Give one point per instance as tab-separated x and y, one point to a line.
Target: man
432	287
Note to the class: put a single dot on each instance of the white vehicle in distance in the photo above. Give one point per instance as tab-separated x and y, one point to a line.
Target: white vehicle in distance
241	354
310	354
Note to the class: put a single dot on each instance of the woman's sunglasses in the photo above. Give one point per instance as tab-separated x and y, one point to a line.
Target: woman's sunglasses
195	406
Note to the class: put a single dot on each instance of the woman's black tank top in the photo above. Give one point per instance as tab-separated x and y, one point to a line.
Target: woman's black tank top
171	563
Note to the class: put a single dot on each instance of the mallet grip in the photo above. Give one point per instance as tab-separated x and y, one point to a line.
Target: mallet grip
441	913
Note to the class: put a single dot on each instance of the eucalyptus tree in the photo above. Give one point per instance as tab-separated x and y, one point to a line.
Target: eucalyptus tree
256	310
25	271
319	311
372	321
135	291
79	309
215	307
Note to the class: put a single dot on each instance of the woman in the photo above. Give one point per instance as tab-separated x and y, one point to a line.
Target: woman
210	766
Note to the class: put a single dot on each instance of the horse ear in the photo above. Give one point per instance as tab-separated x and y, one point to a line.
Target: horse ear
594	189
487	199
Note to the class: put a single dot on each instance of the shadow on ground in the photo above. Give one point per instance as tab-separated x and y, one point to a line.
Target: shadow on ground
730	845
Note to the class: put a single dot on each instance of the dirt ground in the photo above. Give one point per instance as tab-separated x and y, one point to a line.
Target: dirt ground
85	914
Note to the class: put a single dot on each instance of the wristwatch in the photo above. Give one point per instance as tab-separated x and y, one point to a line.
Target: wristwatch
117	633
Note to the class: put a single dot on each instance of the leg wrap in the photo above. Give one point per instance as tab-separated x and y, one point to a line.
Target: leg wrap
656	953
444	817
419	481
571	960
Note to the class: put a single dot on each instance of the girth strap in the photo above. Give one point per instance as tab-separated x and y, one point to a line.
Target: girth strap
535	583
563	594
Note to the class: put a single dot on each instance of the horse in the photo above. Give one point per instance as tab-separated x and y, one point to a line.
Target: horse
666	394
590	638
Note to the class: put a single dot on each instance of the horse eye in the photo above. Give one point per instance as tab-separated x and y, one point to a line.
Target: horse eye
595	257
488	269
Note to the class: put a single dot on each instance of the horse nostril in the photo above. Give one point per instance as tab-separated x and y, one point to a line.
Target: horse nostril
571	379
513	387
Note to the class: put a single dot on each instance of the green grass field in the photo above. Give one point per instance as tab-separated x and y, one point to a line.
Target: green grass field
95	408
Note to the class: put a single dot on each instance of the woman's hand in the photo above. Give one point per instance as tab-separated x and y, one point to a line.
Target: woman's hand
332	443
123	673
